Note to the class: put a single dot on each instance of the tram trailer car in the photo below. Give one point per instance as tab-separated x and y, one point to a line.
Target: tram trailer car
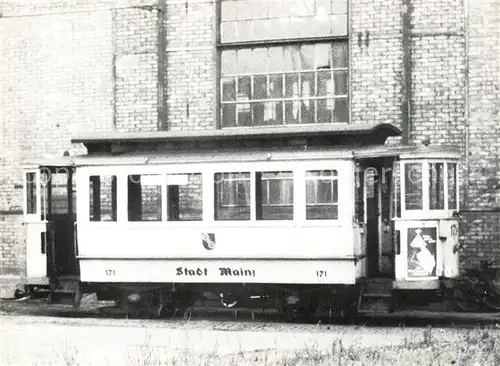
334	221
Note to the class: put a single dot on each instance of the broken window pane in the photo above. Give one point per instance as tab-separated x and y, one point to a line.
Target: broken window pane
185	197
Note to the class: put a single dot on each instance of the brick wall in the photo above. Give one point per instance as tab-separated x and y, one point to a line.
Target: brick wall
69	67
55	80
482	227
376	57
190	59
141	65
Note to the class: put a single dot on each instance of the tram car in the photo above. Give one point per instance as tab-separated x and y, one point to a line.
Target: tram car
318	218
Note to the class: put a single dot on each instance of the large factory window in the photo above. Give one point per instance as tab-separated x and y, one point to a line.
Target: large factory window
144	197
413	186
102	198
322	195
274	195
249	20
232	196
285	85
184	197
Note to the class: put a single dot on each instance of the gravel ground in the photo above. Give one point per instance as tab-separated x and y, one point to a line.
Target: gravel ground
28	340
35	333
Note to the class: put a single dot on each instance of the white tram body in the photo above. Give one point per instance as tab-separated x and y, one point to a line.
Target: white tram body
294	250
295	211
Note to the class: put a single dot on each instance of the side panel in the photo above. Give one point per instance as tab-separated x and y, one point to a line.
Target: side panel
221	271
421	251
114	240
36	251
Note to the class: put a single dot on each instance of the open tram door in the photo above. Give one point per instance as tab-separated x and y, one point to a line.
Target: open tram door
49	212
374	210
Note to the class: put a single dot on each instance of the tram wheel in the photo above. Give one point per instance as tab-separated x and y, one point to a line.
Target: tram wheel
464	301
492	302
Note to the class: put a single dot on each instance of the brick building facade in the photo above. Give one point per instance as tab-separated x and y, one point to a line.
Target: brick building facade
70	66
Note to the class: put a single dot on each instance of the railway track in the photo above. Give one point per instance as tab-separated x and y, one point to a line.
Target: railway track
214	312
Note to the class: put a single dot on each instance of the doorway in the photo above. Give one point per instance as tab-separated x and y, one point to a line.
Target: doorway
377	188
59	205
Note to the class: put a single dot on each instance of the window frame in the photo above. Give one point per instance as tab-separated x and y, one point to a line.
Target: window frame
298	168
426	211
257	42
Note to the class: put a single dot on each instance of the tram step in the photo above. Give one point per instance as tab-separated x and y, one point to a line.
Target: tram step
378	286
62	297
375	303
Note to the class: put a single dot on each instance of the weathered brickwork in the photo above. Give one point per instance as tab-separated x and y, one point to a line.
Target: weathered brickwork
376	67
484	104
190	59
482	231
55	81
136	32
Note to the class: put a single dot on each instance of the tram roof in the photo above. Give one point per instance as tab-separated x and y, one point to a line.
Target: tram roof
358	133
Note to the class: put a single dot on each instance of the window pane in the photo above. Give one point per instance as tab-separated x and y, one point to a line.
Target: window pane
229	62
452	186
307	111
340	55
243	108
273	113
102	198
321	195
274	199
436	186
340	82
144	197
413	186
232	196
30	193
292	85
259	87
307	87
276	85
184	197
229	115
228	89
324	111
325	84
59	193
258	113
341	111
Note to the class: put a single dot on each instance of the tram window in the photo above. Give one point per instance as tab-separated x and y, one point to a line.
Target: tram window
144	197
452	186
413	186
185	199
59	193
436	186
102	198
322	195
274	195
30	193
232	196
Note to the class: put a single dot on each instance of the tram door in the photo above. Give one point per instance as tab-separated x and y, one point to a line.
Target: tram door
377	198
36	229
60	213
